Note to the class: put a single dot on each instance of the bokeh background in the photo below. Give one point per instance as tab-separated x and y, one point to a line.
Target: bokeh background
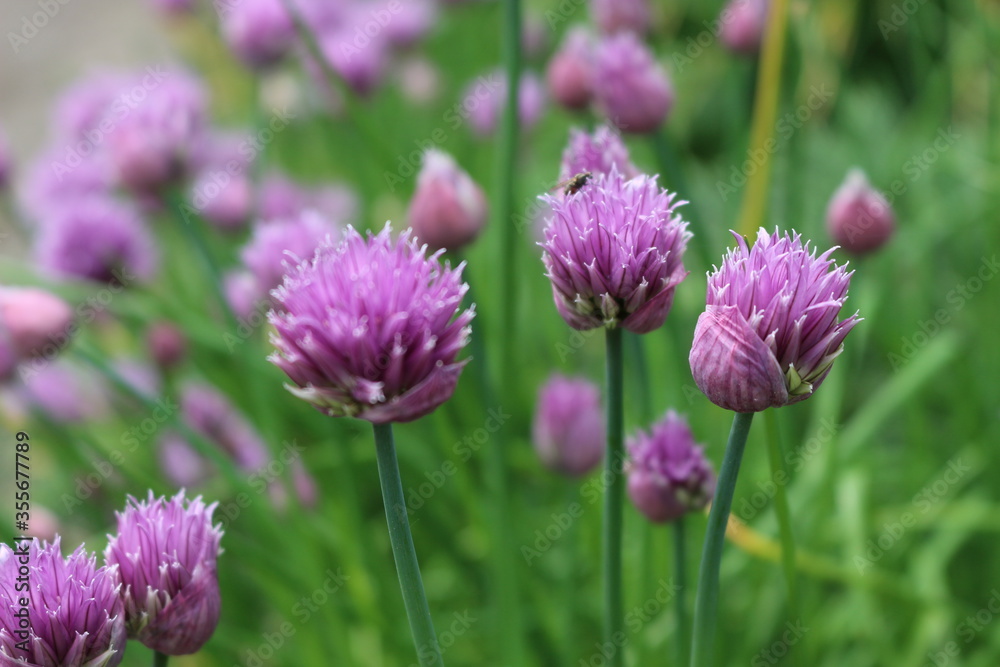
903	431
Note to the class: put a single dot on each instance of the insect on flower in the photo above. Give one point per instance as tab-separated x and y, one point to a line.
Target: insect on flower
573	185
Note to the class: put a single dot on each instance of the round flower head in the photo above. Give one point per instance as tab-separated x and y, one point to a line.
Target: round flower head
363	69
75	612
223	190
99	239
742	25
59	176
275	248
167	344
858	217
570	71
448	209
620	15
371	328
596	153
769	333
668	474
568	430
36	321
166	552
631	89
614	253
260	32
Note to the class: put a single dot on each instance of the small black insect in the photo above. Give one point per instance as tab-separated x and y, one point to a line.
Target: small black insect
572	185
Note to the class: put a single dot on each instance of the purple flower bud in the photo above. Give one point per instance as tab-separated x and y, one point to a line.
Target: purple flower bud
858	217
484	99
614	253
222	191
166	553
613	16
210	414
99	239
742	25
305	485
571	70
596	153
260	32
75	612
668	474
37	322
769	333
361	68
167	345
43	524
568	430
630	88
371	328
448	209
243	294
277	247
152	145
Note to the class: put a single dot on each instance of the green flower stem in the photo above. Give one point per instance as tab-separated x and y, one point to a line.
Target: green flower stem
680	600
707	602
414	599
160	659
614	616
779	476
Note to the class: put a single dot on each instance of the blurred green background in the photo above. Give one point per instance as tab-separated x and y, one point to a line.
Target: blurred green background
905	426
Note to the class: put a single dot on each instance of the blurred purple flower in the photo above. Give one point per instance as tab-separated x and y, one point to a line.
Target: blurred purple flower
614	251
277	247
596	153
484	106
613	16
568	429
166	553
570	72
769	333
668	474
419	80
448	209
260	32
55	178
242	293
281	198
371	328
742	25
210	414
222	191
166	343
408	22
630	88
96	238
34	321
75	611
362	64
66	393
858	217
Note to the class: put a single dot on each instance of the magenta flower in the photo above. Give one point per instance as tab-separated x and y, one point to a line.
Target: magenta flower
34	321
570	72
166	552
75	613
280	245
568	430
858	217
222	190
614	16
167	344
770	333
448	209
668	474
64	393
97	238
260	32
614	253
631	89
281	198
742	25
596	153
371	328
484	108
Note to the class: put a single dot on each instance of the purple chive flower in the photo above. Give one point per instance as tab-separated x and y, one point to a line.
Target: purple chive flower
260	32
742	25
65	393
668	474
153	145
408	21
35	321
769	333
166	552
55	178
75	612
222	191
858	217
568	430
596	153
96	238
87	102
210	414
613	16
363	69
282	198
371	328
485	109
614	253
570	72
276	247
448	209
630	88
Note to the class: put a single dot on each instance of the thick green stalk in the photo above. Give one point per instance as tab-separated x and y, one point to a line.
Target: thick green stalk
614	616
403	552
707	603
160	659
680	600
779	476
